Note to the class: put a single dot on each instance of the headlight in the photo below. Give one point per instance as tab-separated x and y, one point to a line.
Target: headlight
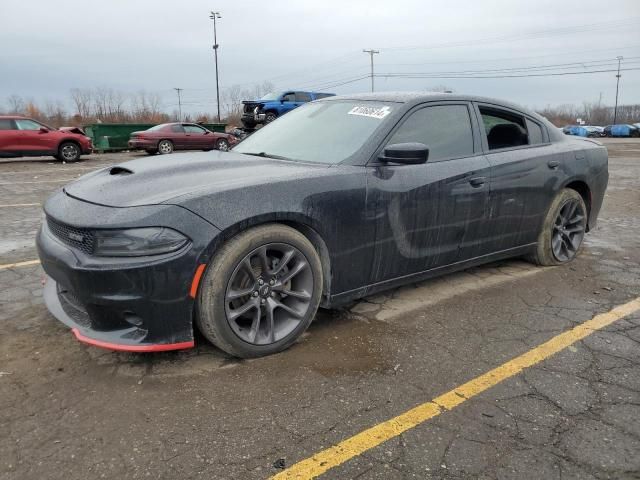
137	242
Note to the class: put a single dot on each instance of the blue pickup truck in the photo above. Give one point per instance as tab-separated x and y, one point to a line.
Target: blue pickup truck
273	105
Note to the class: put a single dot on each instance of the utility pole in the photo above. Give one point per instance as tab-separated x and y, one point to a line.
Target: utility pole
371	53
179	103
213	16
615	110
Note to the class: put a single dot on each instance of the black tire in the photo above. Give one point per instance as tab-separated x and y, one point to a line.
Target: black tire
222	145
560	239
68	152
249	124
218	292
165	147
270	117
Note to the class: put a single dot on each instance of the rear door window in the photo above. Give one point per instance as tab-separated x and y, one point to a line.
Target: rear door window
445	129
535	133
503	129
6	124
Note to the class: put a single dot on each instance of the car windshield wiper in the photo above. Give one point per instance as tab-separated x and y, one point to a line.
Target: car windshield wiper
267	155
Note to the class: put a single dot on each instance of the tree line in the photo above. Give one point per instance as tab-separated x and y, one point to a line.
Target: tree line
107	105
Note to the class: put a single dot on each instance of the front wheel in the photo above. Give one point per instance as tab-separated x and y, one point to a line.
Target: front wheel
270	117
68	152
222	145
563	230
165	147
260	292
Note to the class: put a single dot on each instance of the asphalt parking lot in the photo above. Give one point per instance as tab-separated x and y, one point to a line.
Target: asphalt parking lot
70	411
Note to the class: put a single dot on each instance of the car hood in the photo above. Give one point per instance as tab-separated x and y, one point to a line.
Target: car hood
163	179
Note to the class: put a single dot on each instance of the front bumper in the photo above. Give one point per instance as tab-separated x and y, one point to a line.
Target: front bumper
256	117
137	304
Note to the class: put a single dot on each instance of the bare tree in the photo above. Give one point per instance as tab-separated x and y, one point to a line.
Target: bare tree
82	99
17	104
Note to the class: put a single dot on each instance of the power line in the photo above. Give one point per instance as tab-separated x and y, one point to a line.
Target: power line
548	74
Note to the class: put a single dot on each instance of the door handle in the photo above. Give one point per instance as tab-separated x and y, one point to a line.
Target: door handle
476	182
553	164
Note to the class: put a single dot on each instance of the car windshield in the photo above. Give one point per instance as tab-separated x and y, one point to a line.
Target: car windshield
270	96
324	132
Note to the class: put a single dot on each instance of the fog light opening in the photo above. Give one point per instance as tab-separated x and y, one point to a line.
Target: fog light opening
131	318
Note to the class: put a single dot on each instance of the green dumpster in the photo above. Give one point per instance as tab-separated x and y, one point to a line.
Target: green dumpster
109	137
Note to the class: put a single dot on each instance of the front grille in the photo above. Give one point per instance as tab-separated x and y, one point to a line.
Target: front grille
79	238
249	107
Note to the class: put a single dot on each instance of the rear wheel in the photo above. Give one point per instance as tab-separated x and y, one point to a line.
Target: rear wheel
222	145
260	292
165	147
68	152
563	230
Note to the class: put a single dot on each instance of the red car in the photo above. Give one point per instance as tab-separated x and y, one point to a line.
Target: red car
22	137
167	137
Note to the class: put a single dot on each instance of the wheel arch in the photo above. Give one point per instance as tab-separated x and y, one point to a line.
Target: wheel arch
581	186
302	223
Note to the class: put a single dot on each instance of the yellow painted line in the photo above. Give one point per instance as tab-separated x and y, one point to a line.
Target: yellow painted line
378	434
19	264
20	205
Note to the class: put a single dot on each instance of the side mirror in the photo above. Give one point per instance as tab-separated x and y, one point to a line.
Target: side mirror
405	153
207	132
44	130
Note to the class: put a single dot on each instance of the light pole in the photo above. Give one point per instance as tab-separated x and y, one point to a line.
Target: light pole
213	16
371	52
615	109
179	103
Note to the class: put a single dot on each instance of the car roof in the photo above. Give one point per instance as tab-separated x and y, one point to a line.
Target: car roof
414	98
419	97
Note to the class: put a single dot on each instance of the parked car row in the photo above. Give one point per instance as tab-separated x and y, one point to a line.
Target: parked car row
167	137
618	130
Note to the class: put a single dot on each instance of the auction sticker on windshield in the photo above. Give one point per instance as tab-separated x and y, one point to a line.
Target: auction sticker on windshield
373	112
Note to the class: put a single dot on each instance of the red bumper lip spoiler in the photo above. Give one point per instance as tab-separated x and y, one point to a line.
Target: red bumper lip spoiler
162	347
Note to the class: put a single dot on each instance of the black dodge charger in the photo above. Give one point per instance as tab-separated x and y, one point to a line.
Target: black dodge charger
339	199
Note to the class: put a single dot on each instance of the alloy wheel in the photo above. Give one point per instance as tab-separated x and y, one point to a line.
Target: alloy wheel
269	293
568	230
165	147
69	152
223	145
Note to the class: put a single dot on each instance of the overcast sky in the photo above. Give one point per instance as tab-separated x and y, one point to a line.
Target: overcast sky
49	47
